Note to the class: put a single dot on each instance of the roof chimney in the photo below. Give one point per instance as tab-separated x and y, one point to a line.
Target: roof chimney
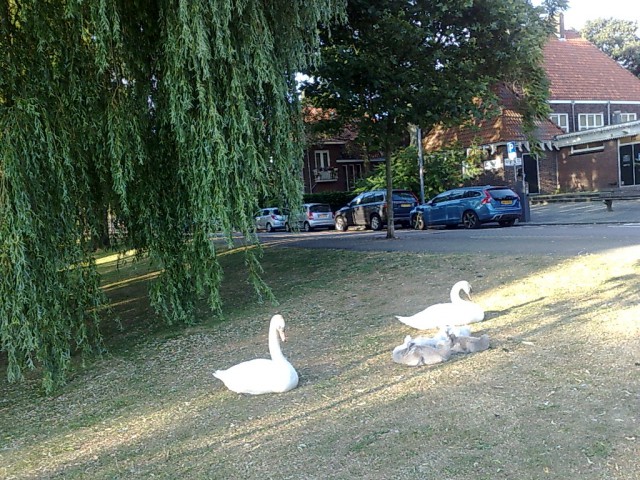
561	34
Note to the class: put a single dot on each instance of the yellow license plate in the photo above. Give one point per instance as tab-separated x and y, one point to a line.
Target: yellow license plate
506	202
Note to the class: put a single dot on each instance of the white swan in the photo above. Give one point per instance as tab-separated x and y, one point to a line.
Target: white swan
259	376
414	355
458	312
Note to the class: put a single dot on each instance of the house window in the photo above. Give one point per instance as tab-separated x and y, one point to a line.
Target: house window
322	159
353	173
627	117
587	147
587	121
560	119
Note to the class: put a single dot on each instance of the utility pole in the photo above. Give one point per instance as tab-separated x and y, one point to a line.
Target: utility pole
420	164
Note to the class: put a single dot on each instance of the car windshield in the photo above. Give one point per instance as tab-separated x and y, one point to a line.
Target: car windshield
502	193
320	209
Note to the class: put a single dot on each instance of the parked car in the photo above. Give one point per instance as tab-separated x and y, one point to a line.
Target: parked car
469	206
271	219
315	215
369	209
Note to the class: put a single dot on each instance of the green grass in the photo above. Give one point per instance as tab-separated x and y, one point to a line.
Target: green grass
555	396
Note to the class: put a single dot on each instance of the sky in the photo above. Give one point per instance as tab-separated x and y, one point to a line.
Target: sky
581	11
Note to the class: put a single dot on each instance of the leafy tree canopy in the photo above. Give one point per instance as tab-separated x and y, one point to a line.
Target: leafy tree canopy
397	63
442	171
617	38
168	113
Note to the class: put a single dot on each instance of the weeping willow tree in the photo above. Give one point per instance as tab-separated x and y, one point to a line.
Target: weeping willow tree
168	113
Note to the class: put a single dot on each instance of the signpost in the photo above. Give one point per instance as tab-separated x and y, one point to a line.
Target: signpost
513	159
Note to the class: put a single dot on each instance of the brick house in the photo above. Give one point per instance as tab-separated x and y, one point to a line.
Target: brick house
591	141
595	104
333	163
492	136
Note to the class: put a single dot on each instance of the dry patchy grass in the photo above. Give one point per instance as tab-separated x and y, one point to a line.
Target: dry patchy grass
556	396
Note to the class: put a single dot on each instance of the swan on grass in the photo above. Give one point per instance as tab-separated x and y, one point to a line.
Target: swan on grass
275	375
458	312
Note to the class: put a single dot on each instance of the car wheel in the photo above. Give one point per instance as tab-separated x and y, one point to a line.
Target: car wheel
268	227
307	227
376	222
470	219
341	224
507	223
419	223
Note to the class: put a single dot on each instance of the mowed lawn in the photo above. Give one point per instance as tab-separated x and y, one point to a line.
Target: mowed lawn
556	396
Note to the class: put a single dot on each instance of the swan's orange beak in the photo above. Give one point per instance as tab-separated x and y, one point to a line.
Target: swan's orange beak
283	337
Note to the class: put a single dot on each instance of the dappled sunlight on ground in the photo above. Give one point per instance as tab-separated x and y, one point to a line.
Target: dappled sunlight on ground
554	396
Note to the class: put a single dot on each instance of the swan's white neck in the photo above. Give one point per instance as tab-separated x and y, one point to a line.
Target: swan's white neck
456	293
274	344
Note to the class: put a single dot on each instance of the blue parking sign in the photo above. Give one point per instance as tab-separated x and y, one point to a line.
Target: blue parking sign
511	150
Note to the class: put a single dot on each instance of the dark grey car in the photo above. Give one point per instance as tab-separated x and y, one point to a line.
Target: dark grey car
369	209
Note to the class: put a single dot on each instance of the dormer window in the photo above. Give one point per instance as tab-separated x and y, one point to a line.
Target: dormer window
560	119
628	117
587	121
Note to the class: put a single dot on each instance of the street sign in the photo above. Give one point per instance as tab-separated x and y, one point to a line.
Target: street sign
511	150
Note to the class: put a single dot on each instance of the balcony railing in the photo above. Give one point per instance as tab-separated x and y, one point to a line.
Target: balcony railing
325	174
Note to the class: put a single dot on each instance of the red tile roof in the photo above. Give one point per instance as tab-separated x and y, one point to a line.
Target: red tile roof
578	70
506	127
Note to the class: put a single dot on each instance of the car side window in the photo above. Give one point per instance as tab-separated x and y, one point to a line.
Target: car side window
443	197
376	198
366	198
471	194
456	195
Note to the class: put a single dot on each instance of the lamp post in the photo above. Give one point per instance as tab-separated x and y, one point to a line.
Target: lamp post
420	164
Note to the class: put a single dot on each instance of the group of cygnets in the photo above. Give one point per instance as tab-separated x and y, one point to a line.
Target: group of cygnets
277	375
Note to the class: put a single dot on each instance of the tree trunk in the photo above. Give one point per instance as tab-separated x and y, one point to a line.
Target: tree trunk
391	233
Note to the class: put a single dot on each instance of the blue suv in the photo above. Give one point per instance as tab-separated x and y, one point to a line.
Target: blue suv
469	206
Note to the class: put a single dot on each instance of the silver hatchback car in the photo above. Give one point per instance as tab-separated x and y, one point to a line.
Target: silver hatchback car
315	215
271	219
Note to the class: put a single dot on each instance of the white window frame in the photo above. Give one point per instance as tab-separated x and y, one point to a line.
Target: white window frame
561	120
628	117
587	147
588	121
322	159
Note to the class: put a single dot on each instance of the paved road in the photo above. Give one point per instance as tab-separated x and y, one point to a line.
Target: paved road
565	229
565	240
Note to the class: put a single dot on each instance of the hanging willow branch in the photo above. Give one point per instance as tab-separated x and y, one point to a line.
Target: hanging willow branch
169	113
